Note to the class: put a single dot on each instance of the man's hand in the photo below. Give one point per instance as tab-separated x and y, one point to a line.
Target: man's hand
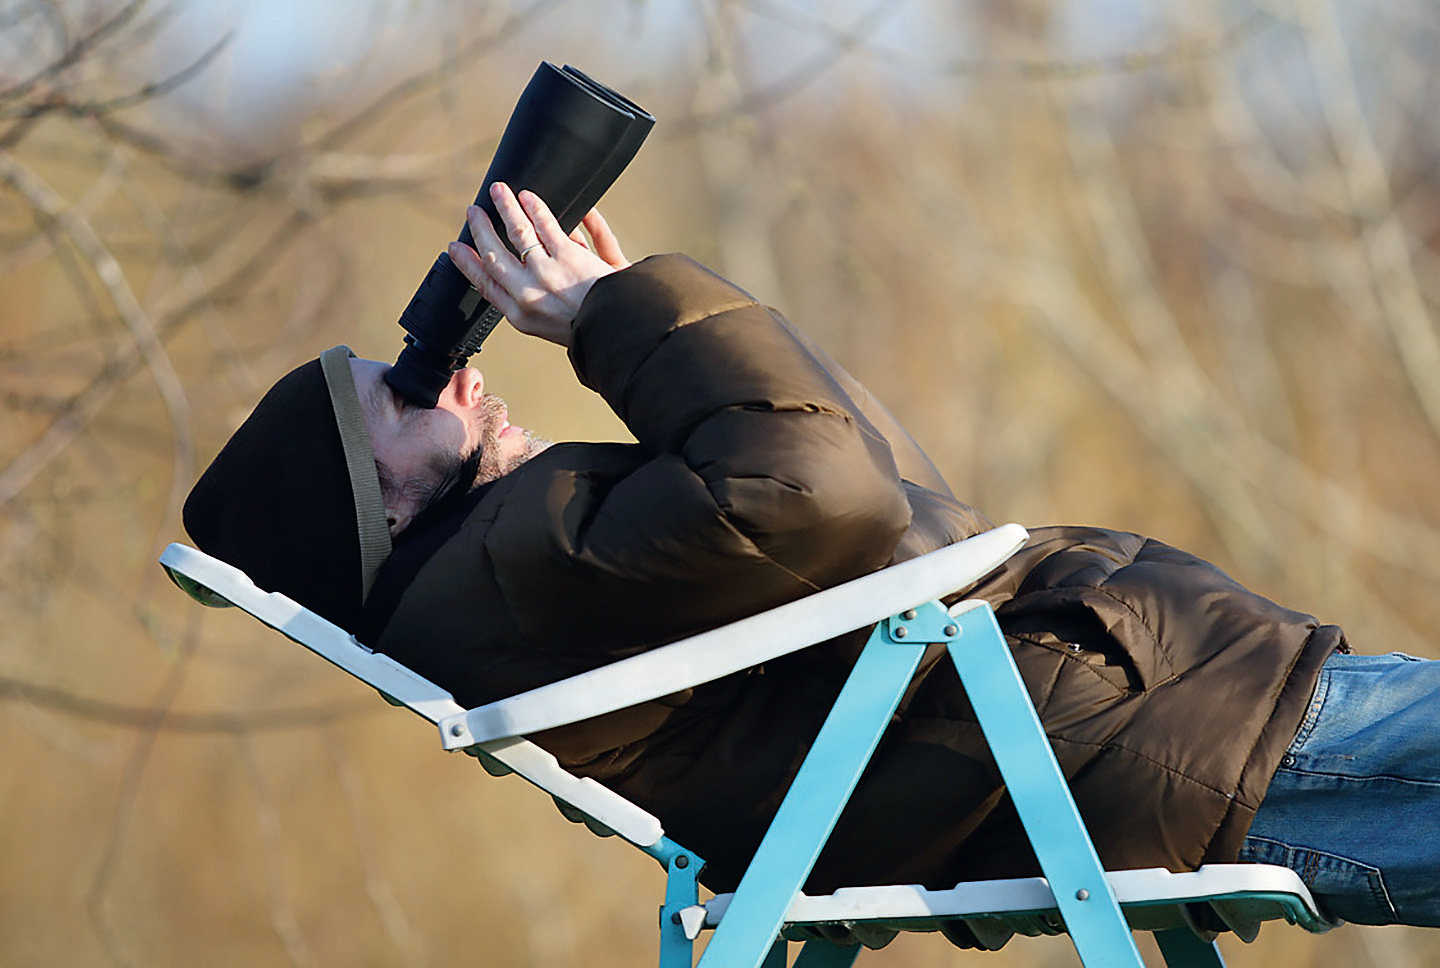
541	293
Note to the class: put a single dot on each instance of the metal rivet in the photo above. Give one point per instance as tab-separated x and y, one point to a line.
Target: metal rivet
457	730
908	615
951	630
1082	894
682	862
901	631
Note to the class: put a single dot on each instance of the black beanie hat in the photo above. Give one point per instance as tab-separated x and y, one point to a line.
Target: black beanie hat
289	497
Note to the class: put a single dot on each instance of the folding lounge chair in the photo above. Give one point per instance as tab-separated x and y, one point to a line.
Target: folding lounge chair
1098	909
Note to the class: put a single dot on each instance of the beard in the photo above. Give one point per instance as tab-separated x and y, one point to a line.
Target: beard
488	461
452	475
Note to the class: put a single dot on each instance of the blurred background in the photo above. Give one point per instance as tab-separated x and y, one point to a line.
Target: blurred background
1169	268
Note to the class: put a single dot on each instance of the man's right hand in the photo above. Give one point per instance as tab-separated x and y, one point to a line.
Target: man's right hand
541	293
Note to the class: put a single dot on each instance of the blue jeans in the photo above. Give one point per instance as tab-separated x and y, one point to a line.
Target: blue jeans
1355	806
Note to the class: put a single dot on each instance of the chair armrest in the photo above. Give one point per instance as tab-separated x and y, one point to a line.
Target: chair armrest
748	642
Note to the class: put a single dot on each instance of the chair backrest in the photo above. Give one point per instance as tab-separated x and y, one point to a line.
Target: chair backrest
214	583
494	733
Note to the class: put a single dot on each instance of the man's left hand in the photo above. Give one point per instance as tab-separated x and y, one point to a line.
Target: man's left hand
541	292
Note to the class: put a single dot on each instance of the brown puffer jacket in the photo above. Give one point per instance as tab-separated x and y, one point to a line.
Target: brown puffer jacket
763	472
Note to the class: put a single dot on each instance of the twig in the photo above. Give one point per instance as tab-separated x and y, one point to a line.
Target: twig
1179	53
75	52
795	80
1125	254
163	719
282	909
1398	540
86	404
1382	238
1187	51
415	83
60	103
241	179
36	247
142	330
129	793
338	174
408	943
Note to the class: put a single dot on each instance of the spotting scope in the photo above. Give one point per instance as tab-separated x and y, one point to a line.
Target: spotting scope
567	141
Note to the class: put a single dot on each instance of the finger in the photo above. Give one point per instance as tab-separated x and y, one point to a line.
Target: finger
500	263
579	238
607	246
482	229
544	221
478	271
517	224
516	279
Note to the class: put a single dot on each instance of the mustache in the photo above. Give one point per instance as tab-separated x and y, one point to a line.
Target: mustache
491	410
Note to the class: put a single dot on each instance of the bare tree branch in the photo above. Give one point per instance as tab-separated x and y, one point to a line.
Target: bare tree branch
1180	53
125	800
408	943
163	719
793	81
42	242
1396	539
58	102
76	52
1382	238
397	94
86	404
279	891
142	331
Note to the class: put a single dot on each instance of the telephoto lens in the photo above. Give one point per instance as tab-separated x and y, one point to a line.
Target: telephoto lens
567	141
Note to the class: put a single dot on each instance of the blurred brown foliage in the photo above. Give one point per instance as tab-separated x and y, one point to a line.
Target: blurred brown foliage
1187	287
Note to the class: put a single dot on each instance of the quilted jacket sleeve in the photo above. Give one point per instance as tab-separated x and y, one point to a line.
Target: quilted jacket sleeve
755	480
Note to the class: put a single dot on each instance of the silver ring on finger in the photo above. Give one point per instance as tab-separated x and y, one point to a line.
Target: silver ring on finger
528	249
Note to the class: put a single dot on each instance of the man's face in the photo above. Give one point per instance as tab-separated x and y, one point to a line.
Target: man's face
425	452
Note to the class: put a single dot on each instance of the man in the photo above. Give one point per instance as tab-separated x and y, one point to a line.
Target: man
1174	698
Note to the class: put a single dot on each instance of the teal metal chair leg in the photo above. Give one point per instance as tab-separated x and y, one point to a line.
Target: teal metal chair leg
814	801
819	953
1183	950
682	891
777	956
1037	787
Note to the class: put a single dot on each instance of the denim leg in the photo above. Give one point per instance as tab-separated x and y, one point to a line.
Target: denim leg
1355	806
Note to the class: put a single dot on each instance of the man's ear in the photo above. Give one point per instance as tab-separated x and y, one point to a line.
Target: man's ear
399	517
400	507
